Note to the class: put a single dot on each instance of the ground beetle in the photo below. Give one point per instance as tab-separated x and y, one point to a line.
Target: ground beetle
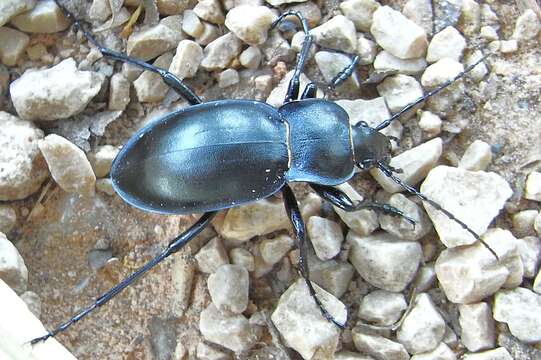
221	154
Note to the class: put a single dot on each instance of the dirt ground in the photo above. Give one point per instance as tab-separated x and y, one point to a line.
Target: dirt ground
148	320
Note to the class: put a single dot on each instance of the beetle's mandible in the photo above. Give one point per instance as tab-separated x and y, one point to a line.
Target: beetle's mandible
220	154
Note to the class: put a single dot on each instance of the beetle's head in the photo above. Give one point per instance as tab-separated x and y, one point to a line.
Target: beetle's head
370	146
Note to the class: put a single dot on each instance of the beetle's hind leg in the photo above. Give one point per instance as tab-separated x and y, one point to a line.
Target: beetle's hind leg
174	246
170	79
341	200
300	234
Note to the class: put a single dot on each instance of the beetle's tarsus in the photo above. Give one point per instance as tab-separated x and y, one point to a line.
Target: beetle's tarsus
41	339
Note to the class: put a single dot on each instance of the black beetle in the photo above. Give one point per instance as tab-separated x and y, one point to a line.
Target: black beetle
220	154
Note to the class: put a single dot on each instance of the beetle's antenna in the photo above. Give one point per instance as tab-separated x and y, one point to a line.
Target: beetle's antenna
387	122
389	173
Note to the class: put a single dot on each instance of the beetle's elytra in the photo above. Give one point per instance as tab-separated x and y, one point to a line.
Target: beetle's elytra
225	153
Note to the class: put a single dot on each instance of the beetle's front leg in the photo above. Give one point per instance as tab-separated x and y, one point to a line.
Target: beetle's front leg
340	199
295	217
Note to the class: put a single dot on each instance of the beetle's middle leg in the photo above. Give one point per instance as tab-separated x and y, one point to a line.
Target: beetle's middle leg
300	234
169	78
340	199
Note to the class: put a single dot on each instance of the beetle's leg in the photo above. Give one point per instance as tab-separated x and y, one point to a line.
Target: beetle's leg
340	199
295	217
433	92
294	83
174	246
310	91
170	79
344	74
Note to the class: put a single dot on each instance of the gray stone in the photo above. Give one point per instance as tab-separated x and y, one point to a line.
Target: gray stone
477	156
333	276
8	218
366	50
171	7
56	93
529	249
220	52
12	268
242	257
68	165
22	168
331	64
505	245
477	324
532	188
119	92
382	307
11	8
446	13
233	332
360	12
45	18
399	91
401	228
448	43
527	26
210	10
102	159
430	123
150	86
520	309
228	77
397	34
423	327
209	34
228	288
474	197
12	45
250	23
273	250
479	72
378	346
468	274
435	75
250	58
187	59
426	278
153	42
326	237
385	261
523	223
362	222
191	24
508	46
471	17
297	315
338	33
386	62
441	352
206	352
420	12
348	355
496	354
211	256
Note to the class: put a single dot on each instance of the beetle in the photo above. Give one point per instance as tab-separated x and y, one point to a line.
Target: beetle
221	154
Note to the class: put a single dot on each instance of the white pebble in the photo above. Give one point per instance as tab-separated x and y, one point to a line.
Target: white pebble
480	70
210	10
488	33
250	23
153	42
366	50
363	222
209	34
10	8
523	223
478	328
273	250
326	237
45	18
251	57
471	17
191	24
386	62
331	64
508	46
401	228
360	12
228	288
12	268
448	43
477	156
430	123
333	276
211	256
382	307
220	52
338	33
527	26
399	91
187	59
12	45
442	352
102	159
496	354
520	309
149	86
529	249
532	189
119	92
379	347
228	77
8	218
242	257
420	12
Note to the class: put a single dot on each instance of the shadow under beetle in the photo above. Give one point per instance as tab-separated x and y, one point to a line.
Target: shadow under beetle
221	154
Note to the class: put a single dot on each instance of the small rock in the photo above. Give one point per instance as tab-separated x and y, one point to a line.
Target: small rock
520	309
532	189
448	43
250	58
529	249
153	42
331	64
187	59
446	13
338	33
450	339
508	46
297	315
32	300
250	23
22	168
100	10
333	276
8	218
242	257
527	26
45	18
505	245
12	45
309	9
210	10
209	34
228	288
68	165
430	123
273	250
362	222
360	12
233	332
119	92
191	24
401	228
423	328
477	324
220	52
385	261
480	70
105	186
477	156
228	77
102	159
366	50
397	34
426	278
399	91
475	197
386	62
489	33
415	163
348	355
150	86
468	274
277	49
56	93
523	223
12	268
378	346
211	256
171	7
182	281
437	74
206	352
326	237
420	12
259	218
442	352
496	354
382	308
263	83
11	8
471	17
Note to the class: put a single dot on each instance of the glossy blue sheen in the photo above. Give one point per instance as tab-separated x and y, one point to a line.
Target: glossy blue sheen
225	153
